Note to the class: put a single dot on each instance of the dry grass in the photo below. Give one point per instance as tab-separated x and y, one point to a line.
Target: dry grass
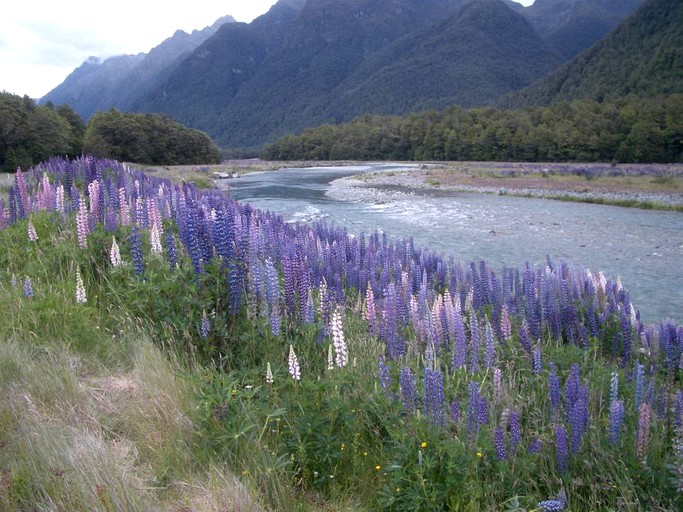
77	438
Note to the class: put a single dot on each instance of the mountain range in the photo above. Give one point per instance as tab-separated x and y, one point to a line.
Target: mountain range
308	62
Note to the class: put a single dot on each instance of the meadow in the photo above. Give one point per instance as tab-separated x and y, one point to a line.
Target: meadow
163	347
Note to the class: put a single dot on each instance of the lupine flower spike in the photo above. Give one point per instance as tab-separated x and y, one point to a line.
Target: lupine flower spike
340	349
115	253
81	297
32	235
293	364
269	374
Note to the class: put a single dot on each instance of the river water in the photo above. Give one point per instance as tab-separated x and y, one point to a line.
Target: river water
643	247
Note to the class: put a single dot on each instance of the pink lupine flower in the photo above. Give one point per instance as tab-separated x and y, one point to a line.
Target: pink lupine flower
59	198
80	288
82	224
124	208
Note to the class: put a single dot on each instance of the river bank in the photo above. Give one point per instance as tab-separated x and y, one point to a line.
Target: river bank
648	187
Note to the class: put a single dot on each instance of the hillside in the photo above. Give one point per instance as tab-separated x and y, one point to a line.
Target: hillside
642	56
115	82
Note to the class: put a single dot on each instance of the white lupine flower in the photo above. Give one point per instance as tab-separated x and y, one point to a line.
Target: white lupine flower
340	349
293	362
80	289
114	253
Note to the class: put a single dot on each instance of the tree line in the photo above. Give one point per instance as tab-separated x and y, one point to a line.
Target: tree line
629	130
31	133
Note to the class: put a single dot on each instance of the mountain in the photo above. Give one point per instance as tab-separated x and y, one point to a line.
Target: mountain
466	59
309	62
570	26
118	81
643	56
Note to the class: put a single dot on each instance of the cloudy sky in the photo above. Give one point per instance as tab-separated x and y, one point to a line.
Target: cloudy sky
42	41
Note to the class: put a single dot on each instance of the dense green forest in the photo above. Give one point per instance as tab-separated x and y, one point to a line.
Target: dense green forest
147	138
629	130
30	133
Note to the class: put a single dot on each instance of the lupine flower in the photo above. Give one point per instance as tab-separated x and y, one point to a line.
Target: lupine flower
13	281
269	374
82	224
561	455
497	383
114	253
490	354
474	343
499	444
275	319
434	400
155	240
408	389
473	408
554	390
205	326
32	235
370	313
617	415
80	288
515	431
525	337
384	376
535	446
136	250
171	252
640	385
537	360
643	435
330	357
28	288
614	387
454	411
505	327
293	364
556	505
340	348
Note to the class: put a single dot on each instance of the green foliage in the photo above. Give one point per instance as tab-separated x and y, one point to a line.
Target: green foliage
30	134
633	130
147	139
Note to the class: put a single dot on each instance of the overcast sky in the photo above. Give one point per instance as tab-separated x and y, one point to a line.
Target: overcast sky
42	41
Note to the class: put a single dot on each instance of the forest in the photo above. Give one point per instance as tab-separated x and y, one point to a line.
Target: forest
31	133
629	130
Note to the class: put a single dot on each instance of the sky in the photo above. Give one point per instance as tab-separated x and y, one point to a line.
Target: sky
42	41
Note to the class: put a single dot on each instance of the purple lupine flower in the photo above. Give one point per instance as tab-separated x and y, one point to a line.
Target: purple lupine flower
678	411
483	411
554	390
497	384
384	376
473	409
459	356
556	505
171	251
408	389
525	337
537	360
490	354
275	323
309	308
474	343
640	385
434	399
579	418
571	390
614	387
515	431
627	336
499	444
205	326
135	242
535	446
28	288
617	414
454	411
561	455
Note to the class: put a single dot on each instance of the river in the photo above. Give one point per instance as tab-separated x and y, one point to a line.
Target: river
643	247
